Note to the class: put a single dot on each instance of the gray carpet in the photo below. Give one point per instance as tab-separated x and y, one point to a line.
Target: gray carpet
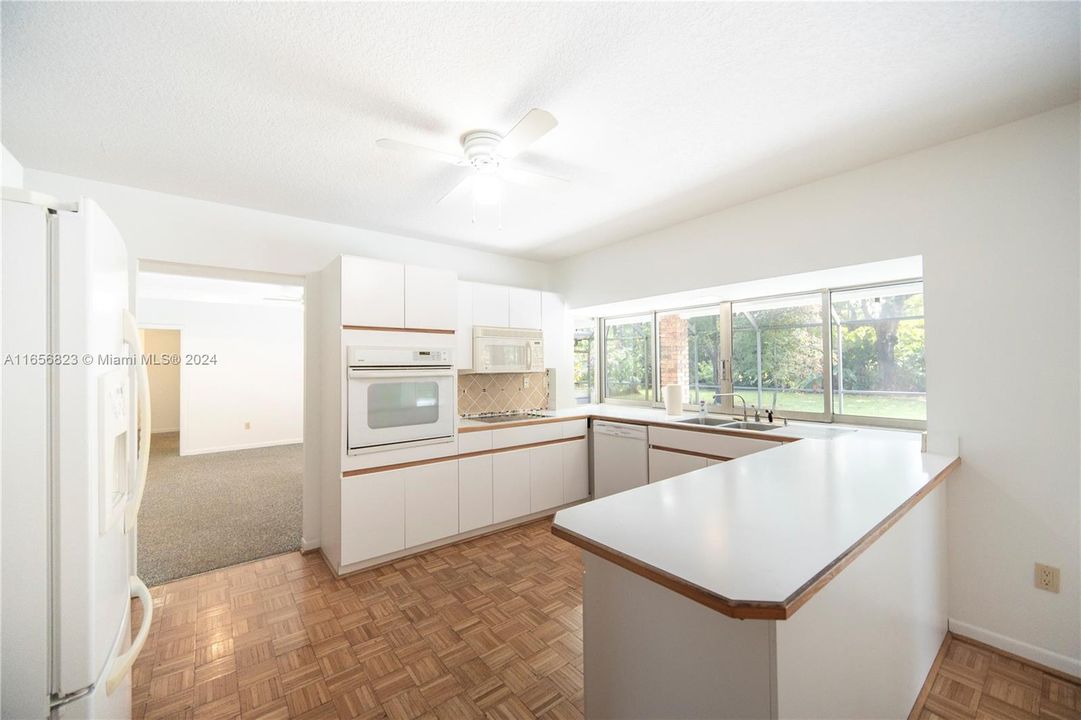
203	512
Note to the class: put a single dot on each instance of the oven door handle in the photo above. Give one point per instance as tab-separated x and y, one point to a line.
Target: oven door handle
387	374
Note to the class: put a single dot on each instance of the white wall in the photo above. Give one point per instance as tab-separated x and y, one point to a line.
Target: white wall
258	377
164	379
11	170
159	226
996	218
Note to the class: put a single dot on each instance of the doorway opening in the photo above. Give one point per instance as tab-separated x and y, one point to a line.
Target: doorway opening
225	363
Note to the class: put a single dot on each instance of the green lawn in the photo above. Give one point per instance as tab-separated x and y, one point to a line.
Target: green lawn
892	406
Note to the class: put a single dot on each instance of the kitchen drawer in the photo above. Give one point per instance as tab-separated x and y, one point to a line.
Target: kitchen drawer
710	443
526	434
573	428
469	442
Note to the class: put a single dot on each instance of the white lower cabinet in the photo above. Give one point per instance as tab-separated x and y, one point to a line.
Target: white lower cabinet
474	492
575	470
664	464
545	477
431	502
510	485
373	515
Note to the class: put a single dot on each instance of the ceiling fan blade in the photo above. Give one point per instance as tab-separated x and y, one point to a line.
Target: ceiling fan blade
532	178
530	128
457	192
399	146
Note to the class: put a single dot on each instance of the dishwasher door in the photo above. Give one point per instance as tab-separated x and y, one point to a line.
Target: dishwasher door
620	457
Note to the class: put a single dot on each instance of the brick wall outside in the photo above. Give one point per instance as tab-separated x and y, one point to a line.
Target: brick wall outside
674	358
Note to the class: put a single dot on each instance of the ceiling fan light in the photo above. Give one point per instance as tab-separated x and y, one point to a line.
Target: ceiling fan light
487	189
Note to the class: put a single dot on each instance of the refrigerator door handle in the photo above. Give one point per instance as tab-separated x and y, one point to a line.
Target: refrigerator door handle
123	663
131	337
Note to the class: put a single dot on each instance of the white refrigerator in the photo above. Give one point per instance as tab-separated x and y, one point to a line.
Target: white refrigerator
75	436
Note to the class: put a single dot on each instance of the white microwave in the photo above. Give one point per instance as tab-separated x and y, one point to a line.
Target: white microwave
507	350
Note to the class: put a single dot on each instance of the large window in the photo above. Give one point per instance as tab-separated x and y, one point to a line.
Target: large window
584	360
628	358
778	355
692	352
878	365
845	354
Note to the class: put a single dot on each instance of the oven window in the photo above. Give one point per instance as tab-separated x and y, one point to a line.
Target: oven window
402	404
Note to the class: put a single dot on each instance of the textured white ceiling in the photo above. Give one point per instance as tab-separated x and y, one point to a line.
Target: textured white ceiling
666	111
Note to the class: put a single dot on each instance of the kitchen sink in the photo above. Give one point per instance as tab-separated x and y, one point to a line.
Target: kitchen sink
734	424
749	426
712	422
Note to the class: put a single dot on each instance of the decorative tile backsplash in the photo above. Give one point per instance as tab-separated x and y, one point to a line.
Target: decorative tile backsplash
504	392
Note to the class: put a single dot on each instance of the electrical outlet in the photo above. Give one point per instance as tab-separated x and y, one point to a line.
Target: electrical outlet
1047	578
247	426
525	382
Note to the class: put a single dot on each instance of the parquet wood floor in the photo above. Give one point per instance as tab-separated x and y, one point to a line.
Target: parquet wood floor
491	627
975	683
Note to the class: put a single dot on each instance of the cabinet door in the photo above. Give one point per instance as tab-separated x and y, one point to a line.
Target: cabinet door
474	492
558	342
545	477
664	464
431	502
491	306
510	485
373	293
575	471
373	515
525	308
463	333
431	298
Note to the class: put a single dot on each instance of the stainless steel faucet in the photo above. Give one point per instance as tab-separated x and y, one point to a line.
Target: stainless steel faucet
717	396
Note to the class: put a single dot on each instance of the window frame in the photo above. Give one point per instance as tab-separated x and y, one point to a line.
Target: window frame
849	418
602	369
728	406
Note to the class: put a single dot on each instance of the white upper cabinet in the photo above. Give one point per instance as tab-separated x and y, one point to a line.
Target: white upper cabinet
463	333
524	308
373	293
431	298
491	305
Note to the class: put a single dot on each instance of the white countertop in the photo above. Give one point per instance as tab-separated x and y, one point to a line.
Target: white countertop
759	529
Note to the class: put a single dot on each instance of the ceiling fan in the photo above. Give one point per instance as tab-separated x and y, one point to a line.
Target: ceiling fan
488	155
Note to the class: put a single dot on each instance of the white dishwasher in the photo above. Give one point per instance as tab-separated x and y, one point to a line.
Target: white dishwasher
620	457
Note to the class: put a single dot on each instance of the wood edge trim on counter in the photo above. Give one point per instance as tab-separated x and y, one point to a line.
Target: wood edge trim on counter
796	600
917	707
437	331
735	609
1055	672
459	456
690	452
519	423
749	610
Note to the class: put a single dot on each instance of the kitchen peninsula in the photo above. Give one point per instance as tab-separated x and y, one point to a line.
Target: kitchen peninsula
692	584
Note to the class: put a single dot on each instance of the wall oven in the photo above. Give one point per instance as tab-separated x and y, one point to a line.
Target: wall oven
507	350
399	397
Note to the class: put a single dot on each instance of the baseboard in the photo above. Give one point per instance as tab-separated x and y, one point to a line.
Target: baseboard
1047	658
307	546
244	446
157	430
